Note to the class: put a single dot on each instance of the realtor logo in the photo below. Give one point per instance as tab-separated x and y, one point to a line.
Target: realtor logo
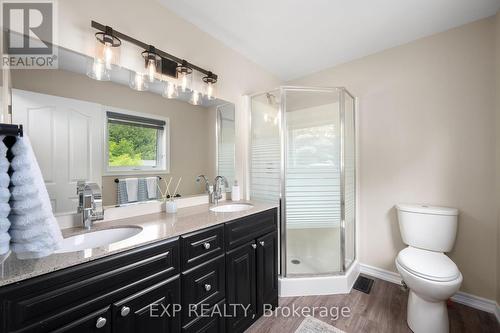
28	35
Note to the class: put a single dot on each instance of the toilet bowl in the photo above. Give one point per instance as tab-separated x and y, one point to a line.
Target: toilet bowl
430	275
432	278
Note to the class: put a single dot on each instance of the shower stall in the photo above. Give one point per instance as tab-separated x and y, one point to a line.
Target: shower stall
302	157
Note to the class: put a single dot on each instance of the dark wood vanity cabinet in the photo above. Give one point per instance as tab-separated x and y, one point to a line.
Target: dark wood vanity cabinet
150	288
251	268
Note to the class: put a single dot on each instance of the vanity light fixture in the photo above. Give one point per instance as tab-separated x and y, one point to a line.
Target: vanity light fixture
184	74
210	81
158	64
97	70
195	98
107	47
138	81
152	62
170	90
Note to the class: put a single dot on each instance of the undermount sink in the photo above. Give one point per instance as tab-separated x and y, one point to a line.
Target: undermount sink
231	208
98	238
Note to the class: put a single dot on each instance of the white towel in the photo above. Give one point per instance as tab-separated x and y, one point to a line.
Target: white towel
4	199
132	185
34	230
151	187
4	243
4	224
4	209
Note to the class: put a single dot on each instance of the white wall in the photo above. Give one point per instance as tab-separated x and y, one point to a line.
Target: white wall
427	135
497	131
152	23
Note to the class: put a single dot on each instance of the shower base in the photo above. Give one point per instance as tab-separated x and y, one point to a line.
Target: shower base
319	285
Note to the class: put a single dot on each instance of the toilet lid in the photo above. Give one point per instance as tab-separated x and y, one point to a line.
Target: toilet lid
428	264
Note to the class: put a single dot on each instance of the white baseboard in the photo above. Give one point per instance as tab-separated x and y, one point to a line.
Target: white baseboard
475	302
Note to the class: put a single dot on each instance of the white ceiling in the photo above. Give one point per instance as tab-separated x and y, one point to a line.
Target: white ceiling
292	38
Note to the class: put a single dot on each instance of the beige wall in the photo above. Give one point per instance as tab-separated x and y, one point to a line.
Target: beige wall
497	131
151	22
427	135
192	134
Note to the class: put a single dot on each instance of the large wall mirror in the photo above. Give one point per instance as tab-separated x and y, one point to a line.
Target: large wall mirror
106	132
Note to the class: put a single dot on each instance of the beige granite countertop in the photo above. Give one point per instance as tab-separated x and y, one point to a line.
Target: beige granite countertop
155	227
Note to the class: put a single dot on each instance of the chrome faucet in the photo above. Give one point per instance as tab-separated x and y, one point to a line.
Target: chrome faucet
218	188
89	202
214	191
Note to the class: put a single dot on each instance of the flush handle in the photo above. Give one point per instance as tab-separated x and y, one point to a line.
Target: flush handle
101	322
125	310
206	245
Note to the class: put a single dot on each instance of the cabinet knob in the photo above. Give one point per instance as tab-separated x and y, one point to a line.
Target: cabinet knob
206	245
208	287
254	246
101	321
125	310
262	243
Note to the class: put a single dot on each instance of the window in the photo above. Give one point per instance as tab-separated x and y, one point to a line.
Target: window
135	143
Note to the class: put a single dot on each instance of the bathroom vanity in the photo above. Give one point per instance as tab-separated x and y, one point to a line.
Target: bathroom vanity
196	259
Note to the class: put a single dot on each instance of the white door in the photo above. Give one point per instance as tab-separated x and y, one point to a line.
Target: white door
66	135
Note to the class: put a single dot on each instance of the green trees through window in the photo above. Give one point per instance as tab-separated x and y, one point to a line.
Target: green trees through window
132	145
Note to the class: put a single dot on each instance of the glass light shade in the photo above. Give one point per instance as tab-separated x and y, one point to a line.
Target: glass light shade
138	81
106	53
210	90
170	90
195	98
185	79
153	66
96	69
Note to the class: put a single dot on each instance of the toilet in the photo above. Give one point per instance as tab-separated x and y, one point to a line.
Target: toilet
431	276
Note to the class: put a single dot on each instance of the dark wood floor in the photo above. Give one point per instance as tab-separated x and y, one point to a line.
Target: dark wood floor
383	310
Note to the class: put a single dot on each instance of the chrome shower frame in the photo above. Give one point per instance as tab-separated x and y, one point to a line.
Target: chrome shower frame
282	200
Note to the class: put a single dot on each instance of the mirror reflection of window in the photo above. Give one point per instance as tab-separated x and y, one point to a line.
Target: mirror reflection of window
136	143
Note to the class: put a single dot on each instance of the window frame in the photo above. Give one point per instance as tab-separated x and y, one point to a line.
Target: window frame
163	146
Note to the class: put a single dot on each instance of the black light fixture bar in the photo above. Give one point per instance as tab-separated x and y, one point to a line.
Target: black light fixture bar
145	46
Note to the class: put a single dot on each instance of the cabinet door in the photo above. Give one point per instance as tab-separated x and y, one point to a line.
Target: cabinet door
241	283
267	272
149	311
97	322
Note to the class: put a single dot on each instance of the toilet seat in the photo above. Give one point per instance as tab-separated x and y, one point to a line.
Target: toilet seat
434	266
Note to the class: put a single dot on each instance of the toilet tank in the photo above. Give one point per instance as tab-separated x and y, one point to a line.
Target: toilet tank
428	227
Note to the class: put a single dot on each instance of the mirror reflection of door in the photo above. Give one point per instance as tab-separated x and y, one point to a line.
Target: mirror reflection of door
66	135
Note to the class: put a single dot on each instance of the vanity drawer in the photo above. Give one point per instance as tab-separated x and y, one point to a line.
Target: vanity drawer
203	285
212	321
152	310
200	246
97	322
250	227
62	296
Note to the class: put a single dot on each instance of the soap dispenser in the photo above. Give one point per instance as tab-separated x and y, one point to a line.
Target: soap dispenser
235	193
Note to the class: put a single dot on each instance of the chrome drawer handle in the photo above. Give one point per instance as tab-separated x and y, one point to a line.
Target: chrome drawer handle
254	246
262	243
101	321
208	287
125	310
206	245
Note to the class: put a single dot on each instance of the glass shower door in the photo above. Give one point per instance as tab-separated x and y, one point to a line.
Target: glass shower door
312	181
